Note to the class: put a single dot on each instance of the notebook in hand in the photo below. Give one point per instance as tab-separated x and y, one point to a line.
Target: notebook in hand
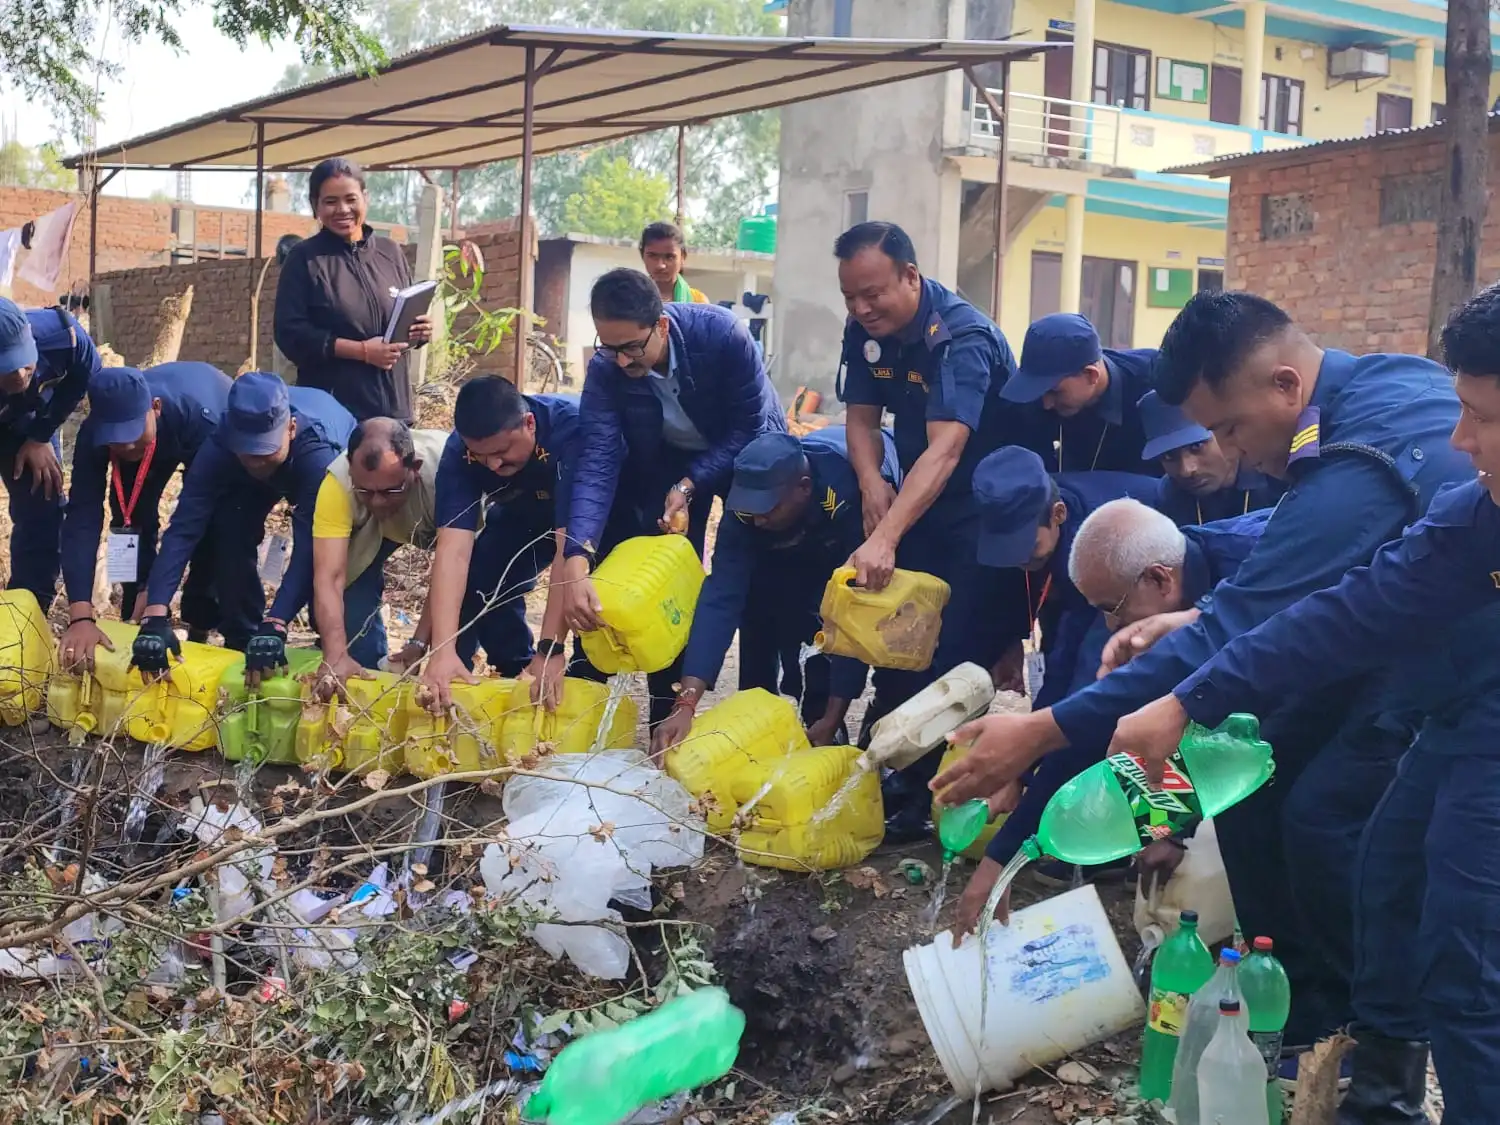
411	303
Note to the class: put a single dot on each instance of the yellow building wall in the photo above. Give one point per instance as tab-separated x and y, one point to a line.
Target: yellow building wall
1342	111
1147	244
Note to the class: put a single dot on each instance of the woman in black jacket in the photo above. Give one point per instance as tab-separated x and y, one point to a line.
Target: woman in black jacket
335	297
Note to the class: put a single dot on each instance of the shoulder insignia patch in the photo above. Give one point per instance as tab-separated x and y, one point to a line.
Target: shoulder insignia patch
1305	445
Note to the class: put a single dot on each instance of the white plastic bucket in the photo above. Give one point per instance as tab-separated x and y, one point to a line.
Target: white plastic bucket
1198	884
1057	983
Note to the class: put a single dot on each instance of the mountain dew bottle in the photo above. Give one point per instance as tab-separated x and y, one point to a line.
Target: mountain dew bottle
1181	967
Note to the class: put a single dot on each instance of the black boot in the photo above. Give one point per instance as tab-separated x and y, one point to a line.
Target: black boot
1390	1082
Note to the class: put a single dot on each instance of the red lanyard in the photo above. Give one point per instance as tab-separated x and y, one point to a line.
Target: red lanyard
1046	589
127	510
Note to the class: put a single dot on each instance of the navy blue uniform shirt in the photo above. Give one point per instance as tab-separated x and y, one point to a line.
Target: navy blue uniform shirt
1367	462
66	361
946	366
831	529
323	429
533	501
1251	492
193	396
1108	435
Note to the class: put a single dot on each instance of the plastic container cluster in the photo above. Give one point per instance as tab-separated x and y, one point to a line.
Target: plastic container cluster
748	758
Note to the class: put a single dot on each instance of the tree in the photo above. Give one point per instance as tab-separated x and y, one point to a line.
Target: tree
34	167
1464	179
46	45
616	200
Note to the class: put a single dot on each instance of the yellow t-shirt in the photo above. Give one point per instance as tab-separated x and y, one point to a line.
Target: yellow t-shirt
333	515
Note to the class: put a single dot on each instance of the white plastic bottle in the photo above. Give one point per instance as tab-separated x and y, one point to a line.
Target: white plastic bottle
1198	1030
928	717
1231	1074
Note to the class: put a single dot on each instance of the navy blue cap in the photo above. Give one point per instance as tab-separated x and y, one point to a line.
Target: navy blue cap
17	344
1056	346
1167	427
255	420
762	472
1013	488
118	402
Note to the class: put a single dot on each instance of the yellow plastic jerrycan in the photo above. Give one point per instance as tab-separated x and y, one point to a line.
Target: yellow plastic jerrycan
784	829
96	703
750	726
648	588
28	653
974	851
363	734
572	728
896	627
438	744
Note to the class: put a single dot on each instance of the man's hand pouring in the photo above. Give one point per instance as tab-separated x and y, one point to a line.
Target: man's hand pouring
1151	735
1001	749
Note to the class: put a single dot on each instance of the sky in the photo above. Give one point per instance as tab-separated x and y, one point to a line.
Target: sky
160	87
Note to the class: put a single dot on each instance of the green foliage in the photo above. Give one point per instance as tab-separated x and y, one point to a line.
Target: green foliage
616	200
37	167
470	331
46	46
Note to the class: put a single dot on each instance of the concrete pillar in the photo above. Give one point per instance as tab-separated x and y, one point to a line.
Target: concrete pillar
1254	68
428	267
1072	256
1083	69
949	213
1421	85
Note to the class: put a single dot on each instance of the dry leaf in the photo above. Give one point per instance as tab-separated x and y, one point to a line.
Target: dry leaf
602	832
491	787
32	1014
677	892
424	886
376	780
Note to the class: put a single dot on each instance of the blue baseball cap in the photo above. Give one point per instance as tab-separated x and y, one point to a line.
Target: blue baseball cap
1167	427
1012	488
257	414
17	344
1056	346
762	472
118	402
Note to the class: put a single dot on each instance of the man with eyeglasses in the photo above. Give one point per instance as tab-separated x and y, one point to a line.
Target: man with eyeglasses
272	443
502	495
378	495
672	394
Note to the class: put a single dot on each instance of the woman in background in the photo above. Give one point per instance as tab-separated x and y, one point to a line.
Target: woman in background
335	297
664	253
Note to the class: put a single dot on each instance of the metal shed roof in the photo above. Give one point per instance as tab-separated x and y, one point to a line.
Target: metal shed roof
461	104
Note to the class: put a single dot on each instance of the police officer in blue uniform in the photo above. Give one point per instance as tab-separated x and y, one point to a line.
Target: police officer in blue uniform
46	362
272	443
141	428
672	395
1426	612
502	499
935	362
791	518
1201	483
1079	399
1267	392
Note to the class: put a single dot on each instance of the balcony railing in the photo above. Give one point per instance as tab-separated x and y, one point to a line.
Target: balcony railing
1125	138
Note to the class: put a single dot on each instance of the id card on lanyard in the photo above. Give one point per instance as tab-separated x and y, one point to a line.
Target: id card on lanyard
1035	669
122	551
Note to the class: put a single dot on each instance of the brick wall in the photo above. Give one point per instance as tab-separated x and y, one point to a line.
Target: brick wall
132	233
218	330
1310	236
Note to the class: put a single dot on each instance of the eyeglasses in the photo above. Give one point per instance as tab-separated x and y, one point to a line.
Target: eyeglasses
388	493
635	349
1119	605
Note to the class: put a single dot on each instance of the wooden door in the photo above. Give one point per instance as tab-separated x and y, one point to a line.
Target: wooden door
1057	82
1224	94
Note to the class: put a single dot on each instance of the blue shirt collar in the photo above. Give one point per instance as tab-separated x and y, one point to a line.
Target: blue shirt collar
915	331
1111	407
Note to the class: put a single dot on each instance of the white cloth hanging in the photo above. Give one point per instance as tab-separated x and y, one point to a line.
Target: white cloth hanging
10	242
49	247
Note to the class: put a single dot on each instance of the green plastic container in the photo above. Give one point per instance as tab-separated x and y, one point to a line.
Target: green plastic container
263	726
1268	997
757	233
1182	966
961	825
604	1078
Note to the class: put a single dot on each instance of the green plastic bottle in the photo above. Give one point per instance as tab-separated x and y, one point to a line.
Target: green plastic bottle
604	1078
1268	996
1182	966
1108	811
961	825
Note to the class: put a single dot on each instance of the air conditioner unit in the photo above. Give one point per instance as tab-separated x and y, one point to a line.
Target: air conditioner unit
1359	62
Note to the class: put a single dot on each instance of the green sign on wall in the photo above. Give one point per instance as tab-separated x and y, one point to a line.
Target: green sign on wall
1181	81
1168	287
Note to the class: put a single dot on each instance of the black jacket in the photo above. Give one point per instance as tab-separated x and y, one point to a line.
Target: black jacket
331	290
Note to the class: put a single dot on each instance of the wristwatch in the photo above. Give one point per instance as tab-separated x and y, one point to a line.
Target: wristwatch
549	647
687	490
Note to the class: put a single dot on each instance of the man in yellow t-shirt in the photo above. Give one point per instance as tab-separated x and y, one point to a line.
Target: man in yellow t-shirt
378	495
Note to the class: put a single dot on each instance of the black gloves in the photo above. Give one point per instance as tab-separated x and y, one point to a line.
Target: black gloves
152	643
266	649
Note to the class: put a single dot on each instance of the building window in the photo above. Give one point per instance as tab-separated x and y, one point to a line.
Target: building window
1210	281
1285	216
1392	111
1122	76
1281	104
856	208
1107	297
843	18
1439	112
1409	199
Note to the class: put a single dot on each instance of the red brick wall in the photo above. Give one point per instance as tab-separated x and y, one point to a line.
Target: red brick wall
1352	282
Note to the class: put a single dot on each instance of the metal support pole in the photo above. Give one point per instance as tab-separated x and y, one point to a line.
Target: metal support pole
681	171
523	227
96	185
255	255
453	205
1000	111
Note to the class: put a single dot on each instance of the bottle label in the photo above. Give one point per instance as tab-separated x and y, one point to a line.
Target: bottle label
1268	1043
1168	1011
1159	811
